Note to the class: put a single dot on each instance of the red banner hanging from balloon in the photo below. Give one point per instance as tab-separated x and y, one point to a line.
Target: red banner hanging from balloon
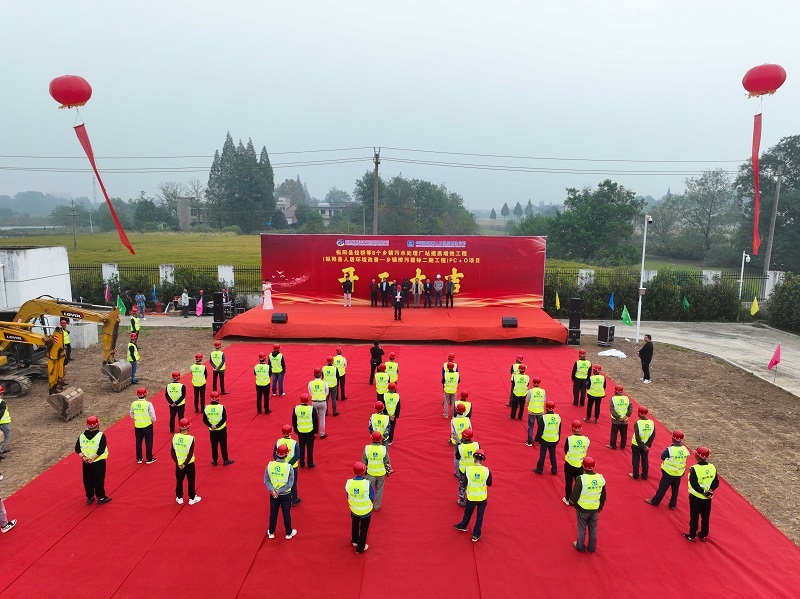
756	183
83	137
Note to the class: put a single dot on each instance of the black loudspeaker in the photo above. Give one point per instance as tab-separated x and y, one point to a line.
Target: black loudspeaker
280	317
574	337
216	326
575	313
605	334
218	307
510	322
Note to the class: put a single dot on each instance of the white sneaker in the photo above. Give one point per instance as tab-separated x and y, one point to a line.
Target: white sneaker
291	534
647	381
196	499
271	535
179	500
565	500
9	525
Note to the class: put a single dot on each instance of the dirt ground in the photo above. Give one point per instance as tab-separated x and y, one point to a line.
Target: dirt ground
748	423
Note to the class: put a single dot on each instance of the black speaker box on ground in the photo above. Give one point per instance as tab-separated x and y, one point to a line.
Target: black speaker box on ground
574	321
216	326
510	322
218	307
574	337
605	334
575	305
280	317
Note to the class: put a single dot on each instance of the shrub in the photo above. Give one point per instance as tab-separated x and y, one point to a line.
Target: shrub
784	304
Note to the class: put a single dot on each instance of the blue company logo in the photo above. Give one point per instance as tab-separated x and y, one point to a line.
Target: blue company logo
340	242
410	243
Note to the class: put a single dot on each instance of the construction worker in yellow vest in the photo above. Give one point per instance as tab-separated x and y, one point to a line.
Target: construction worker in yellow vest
450	380
5	423
199	378
580	378
341	368
182	452
644	433
621	410
458	424
218	368
451	359
379	421
318	390
277	367
359	498
514	370
381	381
536	400
463	456
132	355
144	415
376	457
306	423
519	392
391	399
176	399
292	458
92	448
596	392
330	375
215	417
575	448
67	341
703	481
136	326
549	438
279	480
261	372
672	468
588	497
392	367
463	398
479	478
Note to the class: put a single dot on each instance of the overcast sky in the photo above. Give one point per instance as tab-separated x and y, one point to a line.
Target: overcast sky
612	80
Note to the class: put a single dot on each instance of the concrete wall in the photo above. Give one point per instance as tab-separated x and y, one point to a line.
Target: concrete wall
29	272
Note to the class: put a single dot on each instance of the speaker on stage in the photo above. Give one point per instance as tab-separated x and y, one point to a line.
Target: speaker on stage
575	313
216	326
218	307
280	317
510	322
574	337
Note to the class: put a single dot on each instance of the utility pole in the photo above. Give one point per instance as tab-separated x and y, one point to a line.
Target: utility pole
377	160
74	236
91	226
768	257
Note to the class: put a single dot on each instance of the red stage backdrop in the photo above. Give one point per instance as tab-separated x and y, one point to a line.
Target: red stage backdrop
486	271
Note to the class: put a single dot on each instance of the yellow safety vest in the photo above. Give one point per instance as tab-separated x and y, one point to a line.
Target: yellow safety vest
305	422
279	476
66	336
214	414
675	464
89	447
476	482
521	385
141	415
450	382
135	326
181	444
705	476
455	367
465	453
392	369
582	371
275	363
341	364
216	359
552	422
381	382
459	425
262	374
514	369
290	443
597	385
619	405
318	390
391	401
591	489
329	375
375	454
467	406
645	428
577	447
174	393
379	422
198	375
6	419
135	357
358	496
536	401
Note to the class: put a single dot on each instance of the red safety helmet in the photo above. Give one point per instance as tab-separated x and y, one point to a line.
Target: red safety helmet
377	436
141	392
581	352
329	359
464	394
2	389
262	357
519	358
392	386
577	425
596	369
392	355
451	357
467	433
677	435
450	366
702	452
201	291
536	381
550	404
522	368
176	374
379	406
479	454
287	429
134	336
198	357
305	398
184	423
276	346
282	450
339	350
317	371
588	463
92	422
63	322
134	309
381	367
618	388
359	468
461	408
215	395
218	344
642	411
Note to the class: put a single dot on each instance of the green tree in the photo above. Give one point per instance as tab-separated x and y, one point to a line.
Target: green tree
518	210
528	208
62	216
504	211
337	196
147	215
124	211
706	204
493	215
293	190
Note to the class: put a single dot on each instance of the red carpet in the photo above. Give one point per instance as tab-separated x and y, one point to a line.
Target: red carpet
360	322
143	544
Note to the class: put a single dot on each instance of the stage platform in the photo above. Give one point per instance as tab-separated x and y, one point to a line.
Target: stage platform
363	323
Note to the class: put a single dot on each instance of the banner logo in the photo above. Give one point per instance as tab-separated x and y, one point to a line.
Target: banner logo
68	314
363	242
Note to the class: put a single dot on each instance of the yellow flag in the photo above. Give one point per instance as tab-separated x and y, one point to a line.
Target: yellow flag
754	307
558	302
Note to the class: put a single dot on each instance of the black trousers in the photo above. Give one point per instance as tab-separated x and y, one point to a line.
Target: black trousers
621	429
448	300
579	387
94	479
188	473
372	368
517	402
218	375
544	449
398	310
593	401
342	395
281	503
668	482
305	445
67	353
384	299
646	369
570	474
638	455
262	396
359	529
176	413
219	440
144	434
200	398
427	301
699	509
373	299
392	426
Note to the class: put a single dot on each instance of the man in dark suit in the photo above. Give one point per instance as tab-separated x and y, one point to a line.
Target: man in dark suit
427	290
373	294
384	289
406	292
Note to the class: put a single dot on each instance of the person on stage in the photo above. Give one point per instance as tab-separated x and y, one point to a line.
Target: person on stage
398	303
384	289
373	294
347	290
266	289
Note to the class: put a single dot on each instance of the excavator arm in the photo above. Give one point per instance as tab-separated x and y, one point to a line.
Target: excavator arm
54	345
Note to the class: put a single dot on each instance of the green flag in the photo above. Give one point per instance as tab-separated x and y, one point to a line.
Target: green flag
121	306
626	318
685	303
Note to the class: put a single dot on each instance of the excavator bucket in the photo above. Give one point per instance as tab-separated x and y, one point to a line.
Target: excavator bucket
119	373
67	403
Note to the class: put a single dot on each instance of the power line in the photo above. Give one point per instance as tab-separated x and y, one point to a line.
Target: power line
176	156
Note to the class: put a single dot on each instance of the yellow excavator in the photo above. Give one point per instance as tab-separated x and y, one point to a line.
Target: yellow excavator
19	363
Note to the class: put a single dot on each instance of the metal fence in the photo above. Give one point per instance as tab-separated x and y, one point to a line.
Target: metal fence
247	279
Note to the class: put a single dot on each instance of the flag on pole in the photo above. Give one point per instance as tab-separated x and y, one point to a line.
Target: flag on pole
626	317
121	306
199	310
776	358
611	301
107	295
155	295
754	307
685	303
558	302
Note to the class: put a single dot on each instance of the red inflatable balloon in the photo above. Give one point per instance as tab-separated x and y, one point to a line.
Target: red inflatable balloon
764	79
70	90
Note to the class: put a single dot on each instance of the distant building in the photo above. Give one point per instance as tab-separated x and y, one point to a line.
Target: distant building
283	202
291	219
190	212
328	210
